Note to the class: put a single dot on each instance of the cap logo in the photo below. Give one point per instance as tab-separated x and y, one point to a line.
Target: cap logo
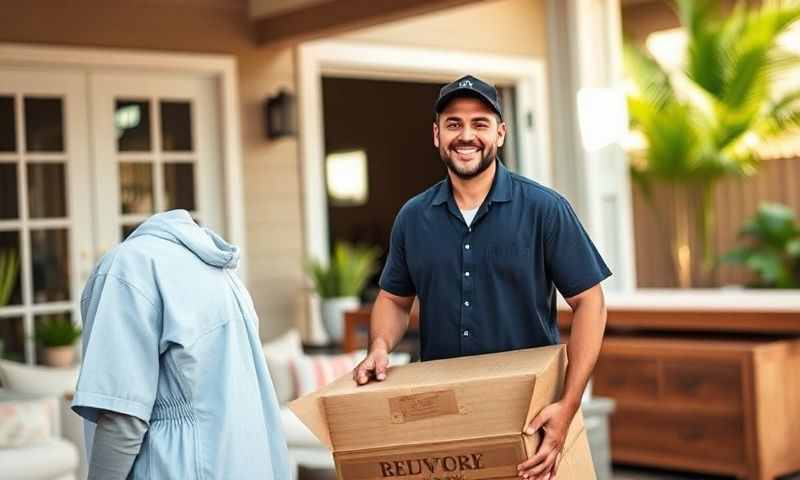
465	83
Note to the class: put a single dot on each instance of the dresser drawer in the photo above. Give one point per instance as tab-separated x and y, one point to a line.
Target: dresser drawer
678	435
702	383
626	378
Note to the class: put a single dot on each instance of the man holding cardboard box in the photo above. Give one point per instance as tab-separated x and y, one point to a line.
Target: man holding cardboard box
485	251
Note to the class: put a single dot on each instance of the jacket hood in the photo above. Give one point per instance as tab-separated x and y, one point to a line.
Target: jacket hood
179	227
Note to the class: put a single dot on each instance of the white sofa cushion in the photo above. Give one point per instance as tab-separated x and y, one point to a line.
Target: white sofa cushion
26	419
53	458
278	354
36	380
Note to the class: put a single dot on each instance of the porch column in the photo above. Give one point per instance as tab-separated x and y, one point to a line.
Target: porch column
585	55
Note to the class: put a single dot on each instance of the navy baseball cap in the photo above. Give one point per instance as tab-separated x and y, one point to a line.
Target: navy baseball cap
469	86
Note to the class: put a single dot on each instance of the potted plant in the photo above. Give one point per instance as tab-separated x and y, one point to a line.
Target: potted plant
339	284
9	267
706	120
773	252
57	336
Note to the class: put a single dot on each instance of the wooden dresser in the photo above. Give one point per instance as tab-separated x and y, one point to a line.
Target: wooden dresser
706	384
717	406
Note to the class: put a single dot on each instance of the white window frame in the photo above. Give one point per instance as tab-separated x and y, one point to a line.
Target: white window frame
221	68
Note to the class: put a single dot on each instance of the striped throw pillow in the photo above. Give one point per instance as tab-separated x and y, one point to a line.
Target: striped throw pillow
311	372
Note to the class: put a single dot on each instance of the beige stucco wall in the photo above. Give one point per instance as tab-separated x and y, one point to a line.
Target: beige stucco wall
273	194
272	186
509	27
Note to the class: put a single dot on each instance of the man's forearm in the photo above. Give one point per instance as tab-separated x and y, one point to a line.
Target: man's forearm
389	321
583	348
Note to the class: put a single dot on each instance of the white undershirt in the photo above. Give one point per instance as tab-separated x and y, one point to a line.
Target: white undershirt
469	215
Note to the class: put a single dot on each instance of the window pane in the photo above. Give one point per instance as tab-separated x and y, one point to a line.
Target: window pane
12	339
176	126
136	187
50	257
9	208
132	120
10	276
179	186
44	124
8	126
47	197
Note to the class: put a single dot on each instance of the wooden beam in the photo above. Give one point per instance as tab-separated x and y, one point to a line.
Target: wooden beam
339	16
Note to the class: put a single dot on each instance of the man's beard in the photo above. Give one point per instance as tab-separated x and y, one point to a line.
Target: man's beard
488	157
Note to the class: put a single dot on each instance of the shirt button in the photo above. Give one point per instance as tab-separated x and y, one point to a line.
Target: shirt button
466	274
466	246
466	304
466	333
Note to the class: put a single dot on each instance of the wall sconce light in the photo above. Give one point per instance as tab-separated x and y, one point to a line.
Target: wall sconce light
280	115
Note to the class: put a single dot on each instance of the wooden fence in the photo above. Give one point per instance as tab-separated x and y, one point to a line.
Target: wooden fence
736	200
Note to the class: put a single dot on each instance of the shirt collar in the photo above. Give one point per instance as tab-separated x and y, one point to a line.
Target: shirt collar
500	191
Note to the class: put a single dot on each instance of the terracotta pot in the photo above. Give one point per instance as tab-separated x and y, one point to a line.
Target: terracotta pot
60	357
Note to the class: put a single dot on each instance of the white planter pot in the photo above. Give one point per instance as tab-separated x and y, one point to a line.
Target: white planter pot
333	315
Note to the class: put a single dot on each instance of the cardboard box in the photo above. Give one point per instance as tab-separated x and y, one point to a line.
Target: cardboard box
456	419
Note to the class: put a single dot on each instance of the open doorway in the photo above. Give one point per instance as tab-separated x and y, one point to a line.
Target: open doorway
320	62
379	153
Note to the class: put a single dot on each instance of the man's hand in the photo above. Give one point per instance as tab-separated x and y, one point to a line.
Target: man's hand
554	421
373	366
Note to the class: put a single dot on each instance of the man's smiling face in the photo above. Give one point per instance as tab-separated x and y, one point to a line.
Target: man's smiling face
468	134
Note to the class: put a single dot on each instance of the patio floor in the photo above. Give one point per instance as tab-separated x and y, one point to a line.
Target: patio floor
631	473
620	473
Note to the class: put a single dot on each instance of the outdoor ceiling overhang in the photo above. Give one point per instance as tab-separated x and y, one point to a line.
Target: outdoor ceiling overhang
280	21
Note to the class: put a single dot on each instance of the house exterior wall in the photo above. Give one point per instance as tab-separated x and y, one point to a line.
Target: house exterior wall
504	27
272	182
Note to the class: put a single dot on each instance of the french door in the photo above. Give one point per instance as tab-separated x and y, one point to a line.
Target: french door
85	156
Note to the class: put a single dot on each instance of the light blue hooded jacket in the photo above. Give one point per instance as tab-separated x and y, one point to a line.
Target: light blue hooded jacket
171	337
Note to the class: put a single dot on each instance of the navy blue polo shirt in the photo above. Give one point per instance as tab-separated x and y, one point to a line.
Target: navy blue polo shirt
489	287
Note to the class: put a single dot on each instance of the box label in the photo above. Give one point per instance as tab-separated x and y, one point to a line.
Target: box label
410	408
468	463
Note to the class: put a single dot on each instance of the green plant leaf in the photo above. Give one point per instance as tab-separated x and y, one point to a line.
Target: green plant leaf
349	269
9	267
793	248
57	331
737	256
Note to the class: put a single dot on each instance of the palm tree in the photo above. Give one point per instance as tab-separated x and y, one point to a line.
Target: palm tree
704	121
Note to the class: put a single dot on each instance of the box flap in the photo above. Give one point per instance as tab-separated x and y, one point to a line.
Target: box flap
454	370
576	459
310	410
548	384
443	400
573	446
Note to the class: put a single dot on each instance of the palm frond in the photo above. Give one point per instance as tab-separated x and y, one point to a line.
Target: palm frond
705	57
782	115
652	82
755	59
